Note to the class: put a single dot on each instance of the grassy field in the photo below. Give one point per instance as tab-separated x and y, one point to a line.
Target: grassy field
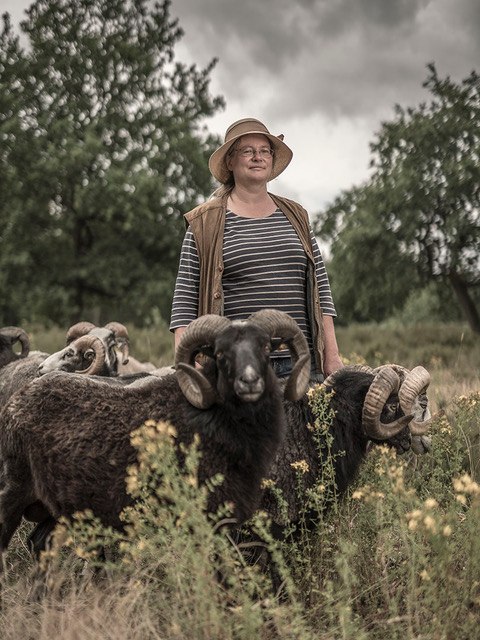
398	557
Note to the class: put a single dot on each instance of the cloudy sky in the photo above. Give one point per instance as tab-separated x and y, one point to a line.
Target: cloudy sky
325	73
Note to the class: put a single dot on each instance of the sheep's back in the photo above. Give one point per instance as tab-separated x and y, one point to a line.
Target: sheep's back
74	433
17	374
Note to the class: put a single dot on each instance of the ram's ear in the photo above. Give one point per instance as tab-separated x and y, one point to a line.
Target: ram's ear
207	350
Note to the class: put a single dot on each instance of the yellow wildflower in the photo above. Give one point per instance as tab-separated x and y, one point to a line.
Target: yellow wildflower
301	466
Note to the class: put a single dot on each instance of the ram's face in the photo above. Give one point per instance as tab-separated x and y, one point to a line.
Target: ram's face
392	411
404	441
421	409
108	338
68	359
242	360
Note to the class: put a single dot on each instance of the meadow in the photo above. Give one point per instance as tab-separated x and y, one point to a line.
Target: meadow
397	557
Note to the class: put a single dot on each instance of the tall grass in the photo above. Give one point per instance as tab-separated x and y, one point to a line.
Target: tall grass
397	557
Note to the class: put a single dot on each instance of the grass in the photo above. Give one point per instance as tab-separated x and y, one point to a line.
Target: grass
398	557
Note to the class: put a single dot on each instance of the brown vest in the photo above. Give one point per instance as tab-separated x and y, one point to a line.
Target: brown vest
207	222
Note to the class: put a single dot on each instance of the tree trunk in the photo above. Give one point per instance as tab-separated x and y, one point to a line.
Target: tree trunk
464	298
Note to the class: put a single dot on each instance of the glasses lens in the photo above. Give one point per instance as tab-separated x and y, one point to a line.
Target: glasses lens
249	152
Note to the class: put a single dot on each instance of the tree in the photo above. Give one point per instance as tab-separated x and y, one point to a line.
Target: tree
370	277
424	188
103	147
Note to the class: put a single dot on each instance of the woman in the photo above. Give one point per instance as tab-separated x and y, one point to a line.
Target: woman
246	249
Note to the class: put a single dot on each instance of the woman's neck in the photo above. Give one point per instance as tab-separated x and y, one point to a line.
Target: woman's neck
251	203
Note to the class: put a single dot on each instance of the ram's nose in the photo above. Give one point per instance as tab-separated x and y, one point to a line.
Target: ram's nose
249	386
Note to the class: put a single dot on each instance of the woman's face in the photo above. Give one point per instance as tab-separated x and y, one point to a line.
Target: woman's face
251	160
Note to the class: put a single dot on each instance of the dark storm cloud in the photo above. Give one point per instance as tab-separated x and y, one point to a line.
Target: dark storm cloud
369	14
339	57
324	72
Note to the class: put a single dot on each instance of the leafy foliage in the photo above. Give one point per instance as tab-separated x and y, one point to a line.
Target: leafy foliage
371	278
420	206
102	149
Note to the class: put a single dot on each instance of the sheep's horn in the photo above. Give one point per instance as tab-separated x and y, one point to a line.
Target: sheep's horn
16	334
384	384
416	381
77	330
194	385
121	337
280	324
91	344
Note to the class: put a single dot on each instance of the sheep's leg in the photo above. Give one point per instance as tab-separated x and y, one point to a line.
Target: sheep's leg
38	538
38	541
11	520
12	506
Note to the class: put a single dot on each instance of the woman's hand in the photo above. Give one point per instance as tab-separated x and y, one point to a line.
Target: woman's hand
331	363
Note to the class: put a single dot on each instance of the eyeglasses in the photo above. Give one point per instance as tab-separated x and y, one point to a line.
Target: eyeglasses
249	152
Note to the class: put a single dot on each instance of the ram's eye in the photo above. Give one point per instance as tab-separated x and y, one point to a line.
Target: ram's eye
219	355
391	407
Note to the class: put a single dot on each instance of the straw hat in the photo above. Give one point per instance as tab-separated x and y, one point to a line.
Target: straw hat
281	157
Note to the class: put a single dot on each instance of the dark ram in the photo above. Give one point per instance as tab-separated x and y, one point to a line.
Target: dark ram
65	438
384	405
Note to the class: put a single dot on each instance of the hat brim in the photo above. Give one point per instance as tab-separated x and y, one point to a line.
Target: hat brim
281	157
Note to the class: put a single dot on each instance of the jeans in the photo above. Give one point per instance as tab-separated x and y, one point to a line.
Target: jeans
283	368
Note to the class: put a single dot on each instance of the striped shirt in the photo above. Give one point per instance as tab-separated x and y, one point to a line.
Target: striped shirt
265	266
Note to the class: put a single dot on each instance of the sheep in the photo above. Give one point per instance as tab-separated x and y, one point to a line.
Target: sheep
86	354
117	359
9	336
65	439
387	404
91	351
114	336
135	366
19	373
16	369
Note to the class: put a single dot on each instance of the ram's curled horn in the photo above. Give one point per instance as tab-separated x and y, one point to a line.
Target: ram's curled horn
94	349
16	334
121	337
416	381
279	324
79	329
385	383
199	333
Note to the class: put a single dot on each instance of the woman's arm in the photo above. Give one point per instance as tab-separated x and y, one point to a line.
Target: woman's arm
331	357
185	297
178	334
